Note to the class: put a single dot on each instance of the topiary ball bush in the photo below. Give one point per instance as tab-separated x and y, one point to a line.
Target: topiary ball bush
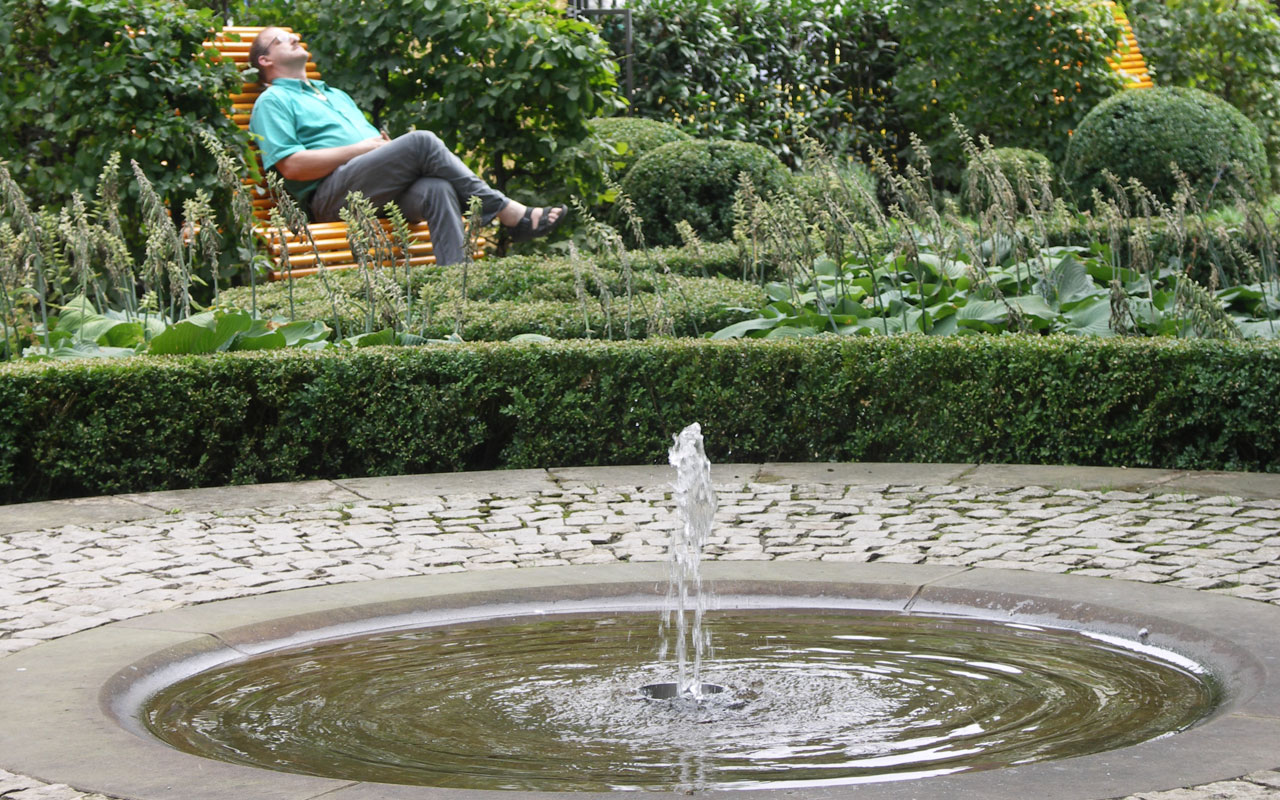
1137	133
696	181
639	136
1025	170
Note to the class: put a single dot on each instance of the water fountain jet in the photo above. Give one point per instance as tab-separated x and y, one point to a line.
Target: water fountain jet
695	500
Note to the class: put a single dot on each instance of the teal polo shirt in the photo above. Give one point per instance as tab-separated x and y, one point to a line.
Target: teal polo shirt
294	115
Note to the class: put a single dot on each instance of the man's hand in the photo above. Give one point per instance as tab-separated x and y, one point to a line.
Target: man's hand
311	165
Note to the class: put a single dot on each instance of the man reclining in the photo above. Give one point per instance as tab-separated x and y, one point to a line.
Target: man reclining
324	148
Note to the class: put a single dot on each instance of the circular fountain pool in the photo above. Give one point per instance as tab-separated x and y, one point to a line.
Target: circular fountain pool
809	699
843	697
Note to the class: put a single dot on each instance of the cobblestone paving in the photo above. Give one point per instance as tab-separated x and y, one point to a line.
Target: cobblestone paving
57	581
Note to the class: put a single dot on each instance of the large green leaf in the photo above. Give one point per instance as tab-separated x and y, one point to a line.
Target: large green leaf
1259	329
1035	309
825	266
992	312
747	327
777	291
947	267
208	332
80	319
304	332
373	339
883	325
264	340
851	306
791	332
1091	318
945	326
1067	282
74	350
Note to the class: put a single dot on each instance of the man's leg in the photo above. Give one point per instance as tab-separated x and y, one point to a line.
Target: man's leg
386	173
434	200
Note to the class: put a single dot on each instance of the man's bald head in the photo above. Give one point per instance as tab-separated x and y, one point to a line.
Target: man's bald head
260	45
277	53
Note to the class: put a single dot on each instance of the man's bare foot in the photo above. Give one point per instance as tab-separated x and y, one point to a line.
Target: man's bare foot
526	223
513	212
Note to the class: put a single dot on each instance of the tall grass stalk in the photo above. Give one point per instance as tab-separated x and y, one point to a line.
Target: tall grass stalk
293	219
580	288
276	221
117	261
31	255
166	259
231	169
401	241
474	228
371	248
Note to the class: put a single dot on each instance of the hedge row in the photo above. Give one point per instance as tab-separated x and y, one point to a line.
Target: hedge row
684	291
90	428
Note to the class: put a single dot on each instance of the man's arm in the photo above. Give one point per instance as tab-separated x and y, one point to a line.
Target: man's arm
311	165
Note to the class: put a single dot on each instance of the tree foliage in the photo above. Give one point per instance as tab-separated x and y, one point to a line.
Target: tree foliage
81	81
767	72
1021	72
1230	48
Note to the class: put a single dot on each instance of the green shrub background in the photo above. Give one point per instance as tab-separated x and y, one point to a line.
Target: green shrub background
93	428
1137	134
696	181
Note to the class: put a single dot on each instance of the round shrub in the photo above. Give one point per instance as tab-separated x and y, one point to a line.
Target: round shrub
1136	134
639	135
696	181
1020	167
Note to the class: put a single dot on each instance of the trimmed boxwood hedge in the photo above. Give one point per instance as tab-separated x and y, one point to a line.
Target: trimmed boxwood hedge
535	294
82	428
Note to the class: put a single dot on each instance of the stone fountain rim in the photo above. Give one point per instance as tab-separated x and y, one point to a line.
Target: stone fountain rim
66	706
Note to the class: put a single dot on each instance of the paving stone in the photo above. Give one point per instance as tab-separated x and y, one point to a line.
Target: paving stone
1269	778
1222	790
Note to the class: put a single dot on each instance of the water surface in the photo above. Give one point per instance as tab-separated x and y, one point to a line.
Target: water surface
552	704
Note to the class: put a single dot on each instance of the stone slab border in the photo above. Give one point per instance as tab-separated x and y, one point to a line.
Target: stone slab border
66	706
407	488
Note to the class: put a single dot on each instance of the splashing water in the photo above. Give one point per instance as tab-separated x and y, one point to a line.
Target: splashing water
696	506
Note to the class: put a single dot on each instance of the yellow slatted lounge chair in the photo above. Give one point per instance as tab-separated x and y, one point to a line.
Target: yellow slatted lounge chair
330	237
1129	63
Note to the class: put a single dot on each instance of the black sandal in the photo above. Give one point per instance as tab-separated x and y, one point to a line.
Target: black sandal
524	230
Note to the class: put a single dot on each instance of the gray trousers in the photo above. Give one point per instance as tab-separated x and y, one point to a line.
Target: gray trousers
419	174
